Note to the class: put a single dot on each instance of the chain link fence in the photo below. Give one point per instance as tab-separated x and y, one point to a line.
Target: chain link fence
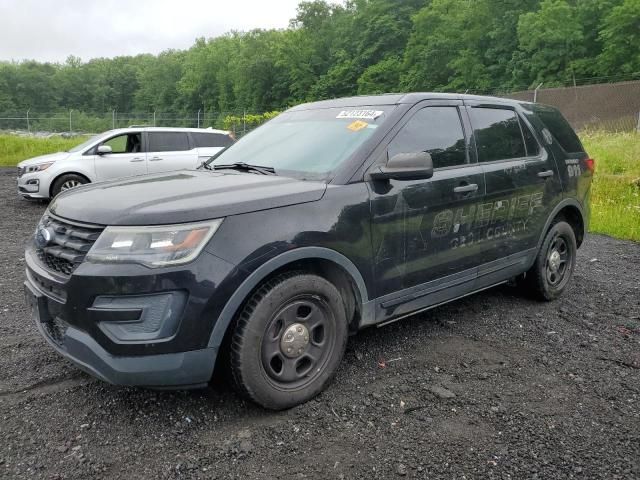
74	122
605	106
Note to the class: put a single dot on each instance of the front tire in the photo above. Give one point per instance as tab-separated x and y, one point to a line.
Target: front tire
67	182
554	265
289	340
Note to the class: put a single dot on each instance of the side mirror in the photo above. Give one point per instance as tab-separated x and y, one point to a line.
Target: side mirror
104	150
405	166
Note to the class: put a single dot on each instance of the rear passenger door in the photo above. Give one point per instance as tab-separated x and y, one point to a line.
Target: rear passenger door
421	229
168	151
522	188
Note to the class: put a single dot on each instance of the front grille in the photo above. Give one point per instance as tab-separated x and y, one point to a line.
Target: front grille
21	171
67	246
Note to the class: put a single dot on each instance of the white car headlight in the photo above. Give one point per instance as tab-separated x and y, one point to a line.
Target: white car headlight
37	168
153	246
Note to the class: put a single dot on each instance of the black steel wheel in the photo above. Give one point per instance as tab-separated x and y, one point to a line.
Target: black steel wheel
289	340
554	264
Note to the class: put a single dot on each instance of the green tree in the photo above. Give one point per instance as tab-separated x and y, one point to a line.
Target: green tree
620	37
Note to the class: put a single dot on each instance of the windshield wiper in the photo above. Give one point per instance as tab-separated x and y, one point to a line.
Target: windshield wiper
245	167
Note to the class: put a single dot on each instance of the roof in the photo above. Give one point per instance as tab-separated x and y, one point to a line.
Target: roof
167	129
398	98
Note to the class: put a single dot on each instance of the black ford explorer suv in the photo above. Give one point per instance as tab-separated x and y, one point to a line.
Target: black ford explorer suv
334	216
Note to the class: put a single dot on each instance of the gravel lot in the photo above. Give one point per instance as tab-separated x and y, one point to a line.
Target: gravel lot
493	386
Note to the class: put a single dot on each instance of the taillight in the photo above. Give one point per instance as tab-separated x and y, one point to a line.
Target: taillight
591	164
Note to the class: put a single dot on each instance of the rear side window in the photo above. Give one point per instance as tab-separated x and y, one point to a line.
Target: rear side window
168	141
211	140
560	129
532	144
498	134
435	130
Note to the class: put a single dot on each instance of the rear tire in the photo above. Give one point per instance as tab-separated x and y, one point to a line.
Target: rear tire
67	182
288	341
554	265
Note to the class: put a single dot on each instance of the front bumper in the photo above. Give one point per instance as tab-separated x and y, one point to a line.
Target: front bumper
191	369
62	310
34	185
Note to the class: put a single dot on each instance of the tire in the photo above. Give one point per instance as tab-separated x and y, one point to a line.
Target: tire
288	340
554	264
67	182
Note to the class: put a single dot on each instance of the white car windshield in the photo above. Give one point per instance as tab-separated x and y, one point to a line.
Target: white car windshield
308	144
88	143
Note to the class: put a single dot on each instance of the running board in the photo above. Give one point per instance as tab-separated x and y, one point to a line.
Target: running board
420	310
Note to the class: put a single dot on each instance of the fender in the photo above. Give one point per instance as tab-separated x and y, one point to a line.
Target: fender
567	202
254	279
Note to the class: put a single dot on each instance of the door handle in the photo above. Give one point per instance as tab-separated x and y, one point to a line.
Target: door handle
154	159
137	159
471	187
546	174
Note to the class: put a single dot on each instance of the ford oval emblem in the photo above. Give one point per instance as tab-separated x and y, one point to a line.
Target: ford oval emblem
43	237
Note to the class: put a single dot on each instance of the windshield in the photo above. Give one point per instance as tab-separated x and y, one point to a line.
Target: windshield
307	144
88	143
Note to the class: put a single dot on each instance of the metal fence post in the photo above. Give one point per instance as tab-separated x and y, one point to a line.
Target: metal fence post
154	118
113	119
70	129
28	126
535	93
198	118
638	126
244	122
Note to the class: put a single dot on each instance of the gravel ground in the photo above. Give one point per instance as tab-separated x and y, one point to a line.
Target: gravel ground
493	386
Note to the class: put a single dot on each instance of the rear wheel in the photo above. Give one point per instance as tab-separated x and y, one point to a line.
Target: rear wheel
289	340
554	265
67	182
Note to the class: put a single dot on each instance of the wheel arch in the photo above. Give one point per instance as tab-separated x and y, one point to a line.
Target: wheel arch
62	174
573	213
323	261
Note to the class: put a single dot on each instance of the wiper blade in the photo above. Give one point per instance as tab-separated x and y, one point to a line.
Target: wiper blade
246	168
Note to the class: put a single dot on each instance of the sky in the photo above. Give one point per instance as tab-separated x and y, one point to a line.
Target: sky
51	30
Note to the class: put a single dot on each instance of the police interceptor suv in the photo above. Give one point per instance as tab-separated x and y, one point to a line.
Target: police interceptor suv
333	217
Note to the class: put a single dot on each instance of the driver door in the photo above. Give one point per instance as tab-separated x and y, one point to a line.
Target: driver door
127	157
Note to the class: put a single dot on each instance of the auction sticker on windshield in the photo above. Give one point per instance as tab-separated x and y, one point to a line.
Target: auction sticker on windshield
363	114
357	125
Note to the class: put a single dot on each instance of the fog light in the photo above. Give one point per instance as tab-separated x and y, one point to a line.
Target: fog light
139	318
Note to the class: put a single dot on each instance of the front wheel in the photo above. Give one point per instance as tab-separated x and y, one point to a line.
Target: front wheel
67	182
554	265
289	340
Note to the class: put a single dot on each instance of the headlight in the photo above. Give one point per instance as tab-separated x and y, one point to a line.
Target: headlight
38	168
152	246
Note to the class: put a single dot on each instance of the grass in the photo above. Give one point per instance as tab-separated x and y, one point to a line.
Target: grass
14	149
615	195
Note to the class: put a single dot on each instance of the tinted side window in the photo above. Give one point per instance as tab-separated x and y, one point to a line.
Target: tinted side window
498	134
436	130
533	148
168	141
211	140
560	129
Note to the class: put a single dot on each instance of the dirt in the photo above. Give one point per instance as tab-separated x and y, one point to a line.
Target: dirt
492	386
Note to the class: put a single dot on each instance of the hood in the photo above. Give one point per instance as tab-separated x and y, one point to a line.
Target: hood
52	157
181	197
